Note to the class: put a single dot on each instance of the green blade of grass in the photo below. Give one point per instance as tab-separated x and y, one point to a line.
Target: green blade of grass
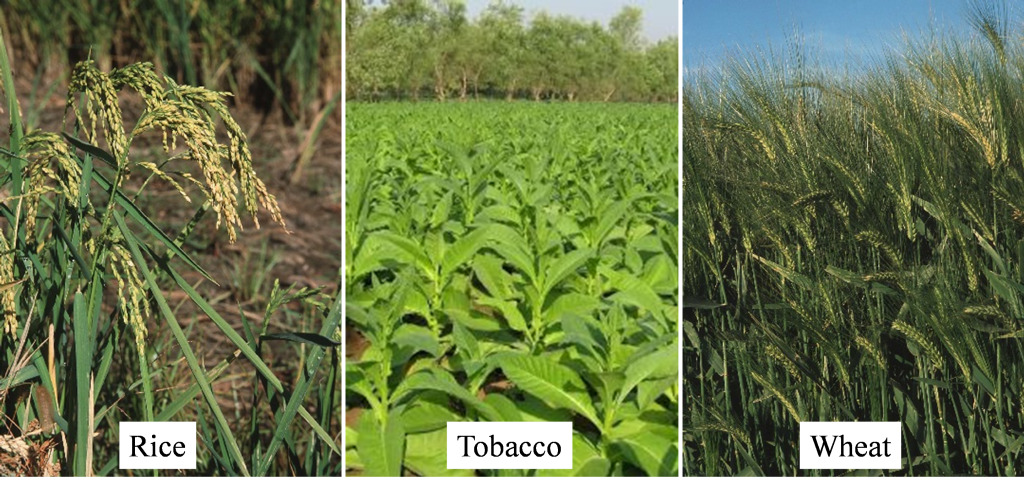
303	338
316	355
83	378
14	114
93	150
222	426
182	400
230	332
71	250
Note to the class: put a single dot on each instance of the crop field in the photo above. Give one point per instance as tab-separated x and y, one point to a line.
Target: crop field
854	251
511	262
170	229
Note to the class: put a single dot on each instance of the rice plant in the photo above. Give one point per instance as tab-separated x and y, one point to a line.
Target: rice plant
854	251
271	53
79	269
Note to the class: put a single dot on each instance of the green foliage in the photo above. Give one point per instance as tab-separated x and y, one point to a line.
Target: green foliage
79	269
852	251
282	51
407	48
512	262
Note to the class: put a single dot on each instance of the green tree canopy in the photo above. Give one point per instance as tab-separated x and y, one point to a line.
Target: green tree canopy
405	49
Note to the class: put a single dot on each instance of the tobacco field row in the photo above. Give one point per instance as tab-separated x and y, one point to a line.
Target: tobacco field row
511	262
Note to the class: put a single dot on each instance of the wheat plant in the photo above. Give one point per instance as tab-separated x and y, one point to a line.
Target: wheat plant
854	251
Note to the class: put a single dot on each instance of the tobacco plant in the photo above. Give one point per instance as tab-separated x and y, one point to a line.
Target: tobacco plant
512	263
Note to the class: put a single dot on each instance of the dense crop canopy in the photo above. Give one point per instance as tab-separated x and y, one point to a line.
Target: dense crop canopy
853	251
512	262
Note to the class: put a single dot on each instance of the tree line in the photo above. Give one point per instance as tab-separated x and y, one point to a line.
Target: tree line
421	49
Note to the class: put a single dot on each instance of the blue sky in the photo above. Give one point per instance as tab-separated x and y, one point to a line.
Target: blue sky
857	30
661	17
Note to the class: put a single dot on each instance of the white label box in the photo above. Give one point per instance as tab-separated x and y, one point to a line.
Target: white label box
157	446
510	445
870	445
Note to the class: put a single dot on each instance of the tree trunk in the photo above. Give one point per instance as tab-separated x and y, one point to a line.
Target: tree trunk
609	95
536	91
464	88
439	90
